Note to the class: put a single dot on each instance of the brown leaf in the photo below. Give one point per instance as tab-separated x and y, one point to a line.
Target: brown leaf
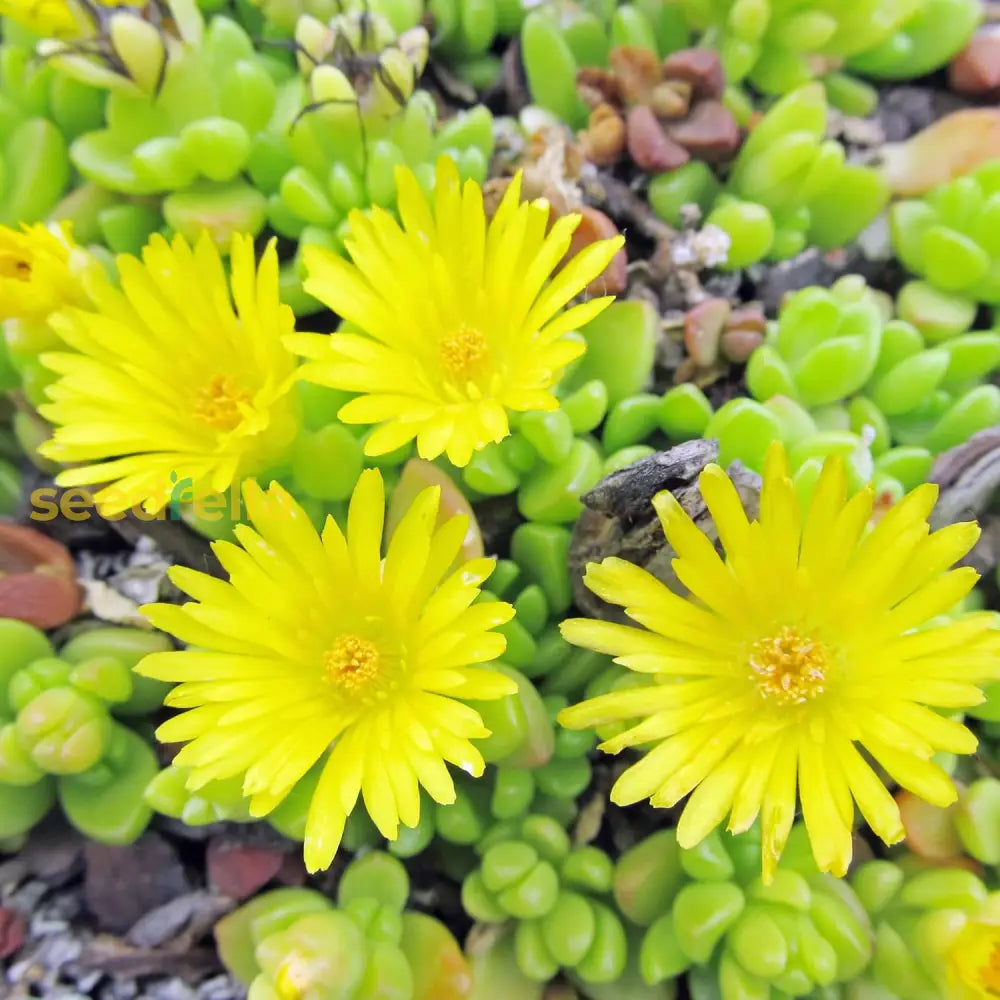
239	870
603	140
13	931
703	327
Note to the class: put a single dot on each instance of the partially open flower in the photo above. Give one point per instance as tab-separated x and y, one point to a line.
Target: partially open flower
39	272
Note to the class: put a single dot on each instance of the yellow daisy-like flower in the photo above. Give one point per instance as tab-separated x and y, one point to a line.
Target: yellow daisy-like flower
973	961
50	18
795	652
317	642
462	318
179	376
38	272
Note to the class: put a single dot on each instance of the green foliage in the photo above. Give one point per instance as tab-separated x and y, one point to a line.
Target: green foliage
707	913
557	894
934	35
915	914
837	370
465	31
550	458
60	734
40	112
790	187
778	46
949	237
558	39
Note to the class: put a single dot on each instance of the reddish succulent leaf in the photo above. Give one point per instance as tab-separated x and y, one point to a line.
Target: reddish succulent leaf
930	830
416	476
13	930
594	226
37	578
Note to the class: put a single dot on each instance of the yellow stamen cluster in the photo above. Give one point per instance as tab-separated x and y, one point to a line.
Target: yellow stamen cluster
989	975
222	403
788	668
463	353
804	652
352	663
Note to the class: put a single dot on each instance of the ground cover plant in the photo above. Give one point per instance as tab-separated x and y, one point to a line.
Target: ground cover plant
498	500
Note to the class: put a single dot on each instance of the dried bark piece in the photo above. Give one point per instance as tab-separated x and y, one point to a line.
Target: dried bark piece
619	519
969	478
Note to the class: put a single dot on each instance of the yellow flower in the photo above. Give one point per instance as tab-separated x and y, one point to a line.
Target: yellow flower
973	962
316	642
169	382
460	320
793	654
50	18
38	272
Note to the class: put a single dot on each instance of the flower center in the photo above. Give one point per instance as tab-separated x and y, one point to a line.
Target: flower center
463	353
16	268
220	403
352	663
292	979
788	668
989	975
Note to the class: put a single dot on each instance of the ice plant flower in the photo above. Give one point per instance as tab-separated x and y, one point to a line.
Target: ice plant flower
170	379
38	272
316	643
800	649
49	18
461	318
973	961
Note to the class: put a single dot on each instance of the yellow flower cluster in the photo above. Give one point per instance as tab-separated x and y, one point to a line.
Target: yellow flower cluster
798	671
317	652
